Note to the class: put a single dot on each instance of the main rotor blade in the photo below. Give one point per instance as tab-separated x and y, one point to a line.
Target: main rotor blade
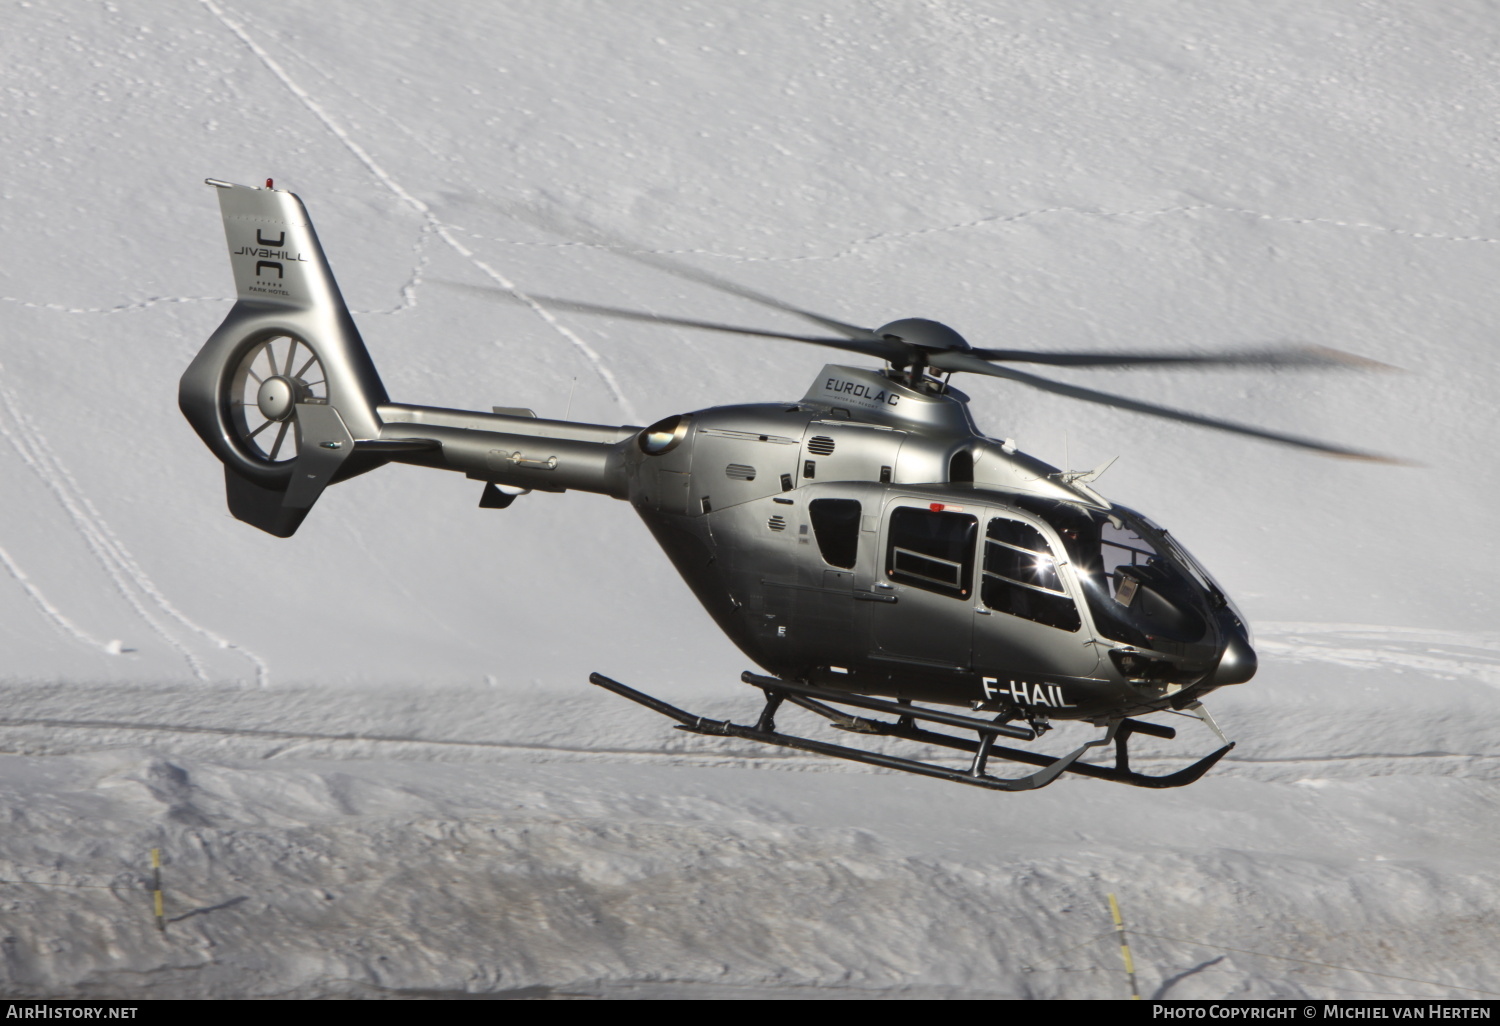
952	360
1285	356
733	288
868	347
591	234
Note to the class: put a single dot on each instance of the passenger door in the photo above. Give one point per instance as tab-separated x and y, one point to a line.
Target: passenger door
927	566
1027	619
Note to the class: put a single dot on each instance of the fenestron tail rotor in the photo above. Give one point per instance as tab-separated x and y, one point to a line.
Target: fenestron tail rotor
273	377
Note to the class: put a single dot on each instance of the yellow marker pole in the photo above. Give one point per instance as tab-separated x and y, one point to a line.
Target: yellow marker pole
156	893
1114	909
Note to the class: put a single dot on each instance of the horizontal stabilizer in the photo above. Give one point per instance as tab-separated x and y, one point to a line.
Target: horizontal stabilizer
326	443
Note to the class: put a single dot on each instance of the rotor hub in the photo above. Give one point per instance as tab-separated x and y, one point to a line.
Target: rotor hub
919	331
278	397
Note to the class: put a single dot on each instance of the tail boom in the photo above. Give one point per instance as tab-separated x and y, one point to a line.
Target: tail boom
520	452
285	394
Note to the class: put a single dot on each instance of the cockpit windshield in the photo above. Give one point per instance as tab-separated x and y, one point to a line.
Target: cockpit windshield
1219	597
1140	590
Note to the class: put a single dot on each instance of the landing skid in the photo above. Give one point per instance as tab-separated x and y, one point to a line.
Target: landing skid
822	700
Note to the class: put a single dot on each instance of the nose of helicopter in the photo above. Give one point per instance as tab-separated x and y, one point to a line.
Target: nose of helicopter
1238	662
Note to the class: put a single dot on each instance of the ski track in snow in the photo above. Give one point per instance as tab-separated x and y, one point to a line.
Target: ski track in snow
385	114
141	304
408	290
130	579
1448	655
442	230
53	615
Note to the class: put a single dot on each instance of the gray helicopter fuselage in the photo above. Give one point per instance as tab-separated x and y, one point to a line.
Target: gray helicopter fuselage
866	537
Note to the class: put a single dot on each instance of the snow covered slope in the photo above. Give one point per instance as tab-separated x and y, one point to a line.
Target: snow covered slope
398	692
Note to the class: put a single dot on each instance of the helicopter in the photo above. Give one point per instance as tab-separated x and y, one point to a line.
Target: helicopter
865	545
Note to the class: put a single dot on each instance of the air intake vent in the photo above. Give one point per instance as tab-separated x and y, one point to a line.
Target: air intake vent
777	523
740	472
820	445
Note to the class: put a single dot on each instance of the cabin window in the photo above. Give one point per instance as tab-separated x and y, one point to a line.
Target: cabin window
932	550
836	524
1020	576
